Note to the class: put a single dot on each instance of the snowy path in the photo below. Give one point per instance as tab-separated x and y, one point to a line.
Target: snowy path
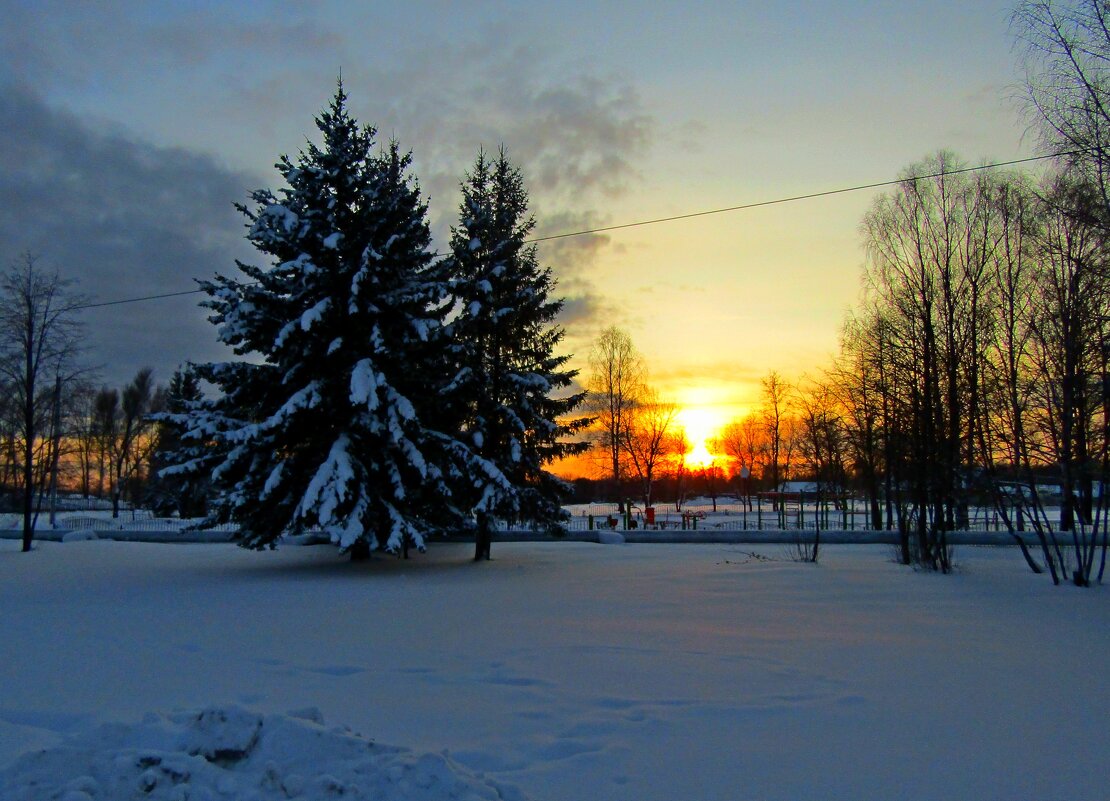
582	671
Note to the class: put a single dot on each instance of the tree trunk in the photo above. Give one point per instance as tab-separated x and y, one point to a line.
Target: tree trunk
28	497
359	550
28	452
876	511
483	538
56	449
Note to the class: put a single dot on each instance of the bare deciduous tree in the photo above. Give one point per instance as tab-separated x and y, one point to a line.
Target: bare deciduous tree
615	386
776	415
679	471
104	426
979	372
929	246
821	437
82	433
649	439
855	382
1068	329
744	442
130	444
1067	80
39	344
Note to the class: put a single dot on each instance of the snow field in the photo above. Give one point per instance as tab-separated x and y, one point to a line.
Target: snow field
572	670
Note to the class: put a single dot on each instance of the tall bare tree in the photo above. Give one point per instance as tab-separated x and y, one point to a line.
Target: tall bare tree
744	442
1067	79
1068	330
615	387
929	246
82	434
39	344
776	415
821	436
855	380
131	443
679	471
649	439
105	427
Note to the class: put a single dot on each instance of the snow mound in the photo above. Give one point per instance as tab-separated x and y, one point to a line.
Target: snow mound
233	753
82	535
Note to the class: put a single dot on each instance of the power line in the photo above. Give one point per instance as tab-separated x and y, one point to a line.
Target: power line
136	300
810	196
691	215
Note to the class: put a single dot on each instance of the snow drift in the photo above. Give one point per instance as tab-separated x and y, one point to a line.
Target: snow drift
232	753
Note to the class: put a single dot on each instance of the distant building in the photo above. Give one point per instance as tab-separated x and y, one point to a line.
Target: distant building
795	487
796	490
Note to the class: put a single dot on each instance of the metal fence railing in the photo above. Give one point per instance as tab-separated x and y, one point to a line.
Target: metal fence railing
735	516
730	516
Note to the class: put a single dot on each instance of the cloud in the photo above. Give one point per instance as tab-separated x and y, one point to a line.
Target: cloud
571	256
134	218
581	308
53	43
731	371
578	139
572	259
577	136
125	219
193	41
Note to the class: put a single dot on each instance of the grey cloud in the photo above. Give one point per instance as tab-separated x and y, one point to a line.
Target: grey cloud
572	259
55	42
572	256
581	309
577	385
585	136
194	41
125	219
577	138
140	217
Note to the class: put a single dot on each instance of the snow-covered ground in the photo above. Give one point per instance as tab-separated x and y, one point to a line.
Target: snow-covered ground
575	671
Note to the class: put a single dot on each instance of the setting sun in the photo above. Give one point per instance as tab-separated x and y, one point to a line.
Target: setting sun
701	424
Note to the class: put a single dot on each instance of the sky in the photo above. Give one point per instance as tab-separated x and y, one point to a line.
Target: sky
131	129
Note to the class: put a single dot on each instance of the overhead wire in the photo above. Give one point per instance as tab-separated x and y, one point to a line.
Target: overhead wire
808	196
136	300
688	216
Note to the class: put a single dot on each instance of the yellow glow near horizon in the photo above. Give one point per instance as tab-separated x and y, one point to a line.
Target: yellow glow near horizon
701	424
699	457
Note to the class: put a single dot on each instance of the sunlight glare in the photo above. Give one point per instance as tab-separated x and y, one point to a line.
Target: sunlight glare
701	424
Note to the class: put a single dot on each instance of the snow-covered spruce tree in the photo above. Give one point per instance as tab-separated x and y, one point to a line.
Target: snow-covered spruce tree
506	393
169	490
325	426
